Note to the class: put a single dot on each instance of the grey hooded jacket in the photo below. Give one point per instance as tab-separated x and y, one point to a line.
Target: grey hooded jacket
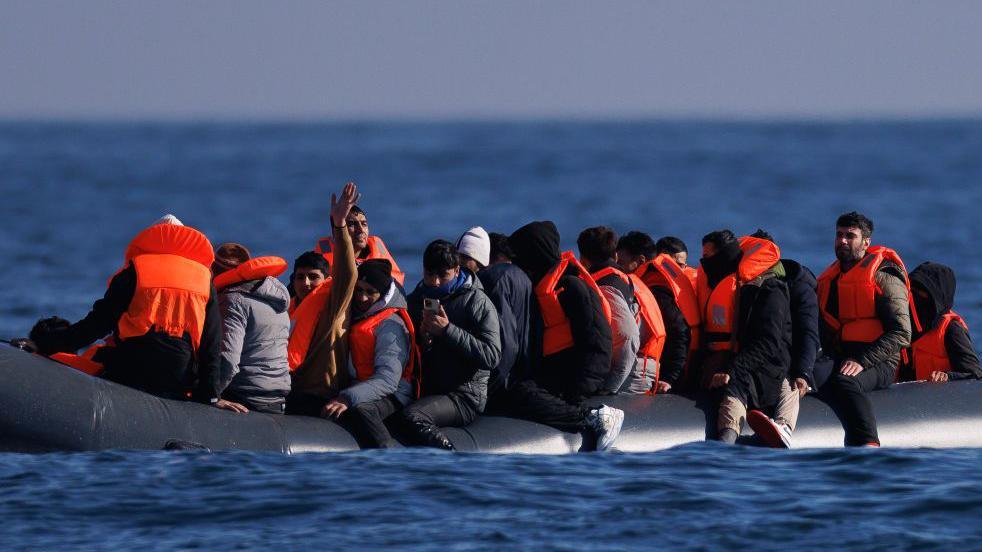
255	330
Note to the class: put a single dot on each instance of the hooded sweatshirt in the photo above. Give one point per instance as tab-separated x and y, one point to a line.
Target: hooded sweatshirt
938	281
256	328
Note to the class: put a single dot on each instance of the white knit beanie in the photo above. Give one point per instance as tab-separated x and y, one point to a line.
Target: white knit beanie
476	244
168	219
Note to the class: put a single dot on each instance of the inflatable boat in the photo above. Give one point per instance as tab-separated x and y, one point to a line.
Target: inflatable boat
46	406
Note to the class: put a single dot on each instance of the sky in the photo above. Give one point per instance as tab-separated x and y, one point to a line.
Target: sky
499	59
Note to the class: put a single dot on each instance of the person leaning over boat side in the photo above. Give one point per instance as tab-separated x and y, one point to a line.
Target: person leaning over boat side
163	312
676	298
510	291
943	350
865	305
459	346
310	270
254	373
805	343
636	322
570	345
670	245
747	336
365	246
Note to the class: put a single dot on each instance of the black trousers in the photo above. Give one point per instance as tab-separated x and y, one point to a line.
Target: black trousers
424	418
851	397
365	421
530	401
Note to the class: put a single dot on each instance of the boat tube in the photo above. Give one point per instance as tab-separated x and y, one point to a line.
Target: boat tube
46	406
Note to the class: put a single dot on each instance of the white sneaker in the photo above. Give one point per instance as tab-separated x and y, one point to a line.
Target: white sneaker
606	422
772	433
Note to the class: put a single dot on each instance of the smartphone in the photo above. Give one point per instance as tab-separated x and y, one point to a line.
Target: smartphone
431	305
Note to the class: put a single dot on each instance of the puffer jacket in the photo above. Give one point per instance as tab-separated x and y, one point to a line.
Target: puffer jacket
255	331
459	362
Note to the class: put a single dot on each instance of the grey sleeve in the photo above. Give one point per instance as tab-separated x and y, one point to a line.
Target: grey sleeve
235	319
391	355
627	340
484	346
893	310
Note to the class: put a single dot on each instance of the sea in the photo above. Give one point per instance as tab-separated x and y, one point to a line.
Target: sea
73	194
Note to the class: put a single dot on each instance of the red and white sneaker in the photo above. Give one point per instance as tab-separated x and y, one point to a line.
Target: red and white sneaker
773	434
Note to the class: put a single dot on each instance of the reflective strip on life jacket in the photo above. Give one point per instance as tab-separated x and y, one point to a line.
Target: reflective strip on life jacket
376	250
930	354
305	319
361	342
253	269
557	335
171	295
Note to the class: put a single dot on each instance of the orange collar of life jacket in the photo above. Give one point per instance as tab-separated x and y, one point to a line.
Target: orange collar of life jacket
305	318
558	335
253	269
376	250
171	239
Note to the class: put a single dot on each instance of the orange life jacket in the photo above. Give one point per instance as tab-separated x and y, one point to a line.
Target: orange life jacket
305	322
692	274
253	269
361	341
292	308
82	362
376	250
649	314
557	335
717	304
930	354
173	283
664	272
857	321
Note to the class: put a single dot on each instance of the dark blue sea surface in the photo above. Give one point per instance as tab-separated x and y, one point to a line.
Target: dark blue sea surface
74	194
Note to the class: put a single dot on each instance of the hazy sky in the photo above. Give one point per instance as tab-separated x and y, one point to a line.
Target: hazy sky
499	58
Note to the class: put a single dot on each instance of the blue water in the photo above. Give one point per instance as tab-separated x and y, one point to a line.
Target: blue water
73	195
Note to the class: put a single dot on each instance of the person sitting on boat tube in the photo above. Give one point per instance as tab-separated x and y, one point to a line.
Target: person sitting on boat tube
254	373
746	332
365	246
636	322
310	270
942	350
570	346
163	313
864	301
459	341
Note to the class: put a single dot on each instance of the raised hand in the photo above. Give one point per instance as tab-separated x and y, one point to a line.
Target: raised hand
340	207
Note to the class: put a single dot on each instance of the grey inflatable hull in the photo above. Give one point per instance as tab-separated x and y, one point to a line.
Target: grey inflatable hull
45	406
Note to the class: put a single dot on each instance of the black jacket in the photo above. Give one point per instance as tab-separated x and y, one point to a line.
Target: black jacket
510	290
763	326
678	336
459	361
805	342
156	362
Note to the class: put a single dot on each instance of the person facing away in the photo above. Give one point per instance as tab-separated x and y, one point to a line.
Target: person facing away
570	345
365	246
747	326
676	298
670	245
943	350
254	374
510	291
804	319
636	324
310	270
163	313
459	343
864	302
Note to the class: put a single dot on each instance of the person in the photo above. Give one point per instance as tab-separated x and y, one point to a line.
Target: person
674	247
636	322
310	270
676	298
804	319
943	350
570	346
163	313
254	373
510	291
474	249
459	343
864	301
364	245
747	330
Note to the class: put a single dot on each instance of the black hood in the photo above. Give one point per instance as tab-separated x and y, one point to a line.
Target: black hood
536	247
938	281
722	264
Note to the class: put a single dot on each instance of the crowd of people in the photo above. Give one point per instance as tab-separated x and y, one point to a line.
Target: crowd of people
514	326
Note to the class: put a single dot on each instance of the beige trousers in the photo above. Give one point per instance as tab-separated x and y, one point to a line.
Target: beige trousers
733	413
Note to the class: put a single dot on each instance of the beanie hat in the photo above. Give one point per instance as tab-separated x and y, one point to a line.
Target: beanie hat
228	257
376	273
476	244
168	219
